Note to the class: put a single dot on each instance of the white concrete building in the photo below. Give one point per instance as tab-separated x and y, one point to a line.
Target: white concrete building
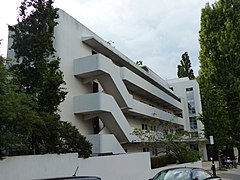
189	92
109	95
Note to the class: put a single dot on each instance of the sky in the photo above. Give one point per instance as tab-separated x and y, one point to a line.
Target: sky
157	32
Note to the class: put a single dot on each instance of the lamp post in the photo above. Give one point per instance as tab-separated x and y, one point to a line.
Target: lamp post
211	139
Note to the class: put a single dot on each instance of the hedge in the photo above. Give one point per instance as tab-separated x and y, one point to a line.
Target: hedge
163	160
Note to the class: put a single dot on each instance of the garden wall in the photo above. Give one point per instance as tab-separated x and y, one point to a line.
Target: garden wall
117	167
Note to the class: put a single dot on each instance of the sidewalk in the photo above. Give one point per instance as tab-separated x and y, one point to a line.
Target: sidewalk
208	164
228	174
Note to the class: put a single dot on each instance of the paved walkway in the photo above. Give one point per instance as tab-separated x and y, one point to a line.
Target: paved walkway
229	174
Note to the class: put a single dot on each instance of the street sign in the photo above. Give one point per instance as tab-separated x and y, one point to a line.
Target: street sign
211	139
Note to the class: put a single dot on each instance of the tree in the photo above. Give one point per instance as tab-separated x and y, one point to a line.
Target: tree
72	141
37	74
220	66
18	120
168	142
139	62
184	70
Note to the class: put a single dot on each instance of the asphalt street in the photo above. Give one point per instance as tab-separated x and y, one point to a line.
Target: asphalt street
228	174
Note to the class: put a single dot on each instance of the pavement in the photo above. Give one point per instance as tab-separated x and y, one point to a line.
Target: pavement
226	174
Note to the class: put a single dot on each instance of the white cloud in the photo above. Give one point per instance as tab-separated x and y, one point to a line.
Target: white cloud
156	31
8	16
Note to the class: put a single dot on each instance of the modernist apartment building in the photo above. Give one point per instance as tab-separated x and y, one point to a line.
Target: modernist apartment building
109	95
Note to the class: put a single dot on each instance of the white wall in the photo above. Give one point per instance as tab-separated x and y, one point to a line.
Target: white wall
117	167
69	46
38	166
134	166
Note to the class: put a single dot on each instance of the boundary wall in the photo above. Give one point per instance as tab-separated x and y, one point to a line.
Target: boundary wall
118	167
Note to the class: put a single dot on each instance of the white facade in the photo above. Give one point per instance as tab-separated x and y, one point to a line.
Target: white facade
125	95
189	91
108	94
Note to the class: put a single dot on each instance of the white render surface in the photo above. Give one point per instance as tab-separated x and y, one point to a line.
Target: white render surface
106	108
105	143
37	166
179	87
135	166
107	74
117	167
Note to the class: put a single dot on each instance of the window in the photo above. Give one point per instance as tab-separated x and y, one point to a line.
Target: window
189	89
95	87
153	128
144	127
145	149
193	123
174	174
200	174
190	101
183	173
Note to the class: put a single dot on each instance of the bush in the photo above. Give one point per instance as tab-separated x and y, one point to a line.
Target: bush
171	159
158	161
163	160
189	155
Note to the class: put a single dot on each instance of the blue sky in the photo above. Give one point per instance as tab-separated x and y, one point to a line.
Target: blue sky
157	32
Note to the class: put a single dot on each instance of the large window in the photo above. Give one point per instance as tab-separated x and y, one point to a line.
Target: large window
190	101
191	109
193	123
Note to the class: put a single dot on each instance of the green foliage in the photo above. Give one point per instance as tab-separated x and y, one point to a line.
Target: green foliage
158	161
17	118
171	159
32	89
38	72
220	66
186	156
169	143
139	62
184	70
72	141
162	160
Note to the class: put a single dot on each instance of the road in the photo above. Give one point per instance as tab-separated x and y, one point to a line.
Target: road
226	176
230	174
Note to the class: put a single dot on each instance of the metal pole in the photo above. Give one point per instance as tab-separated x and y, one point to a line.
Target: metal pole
211	139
